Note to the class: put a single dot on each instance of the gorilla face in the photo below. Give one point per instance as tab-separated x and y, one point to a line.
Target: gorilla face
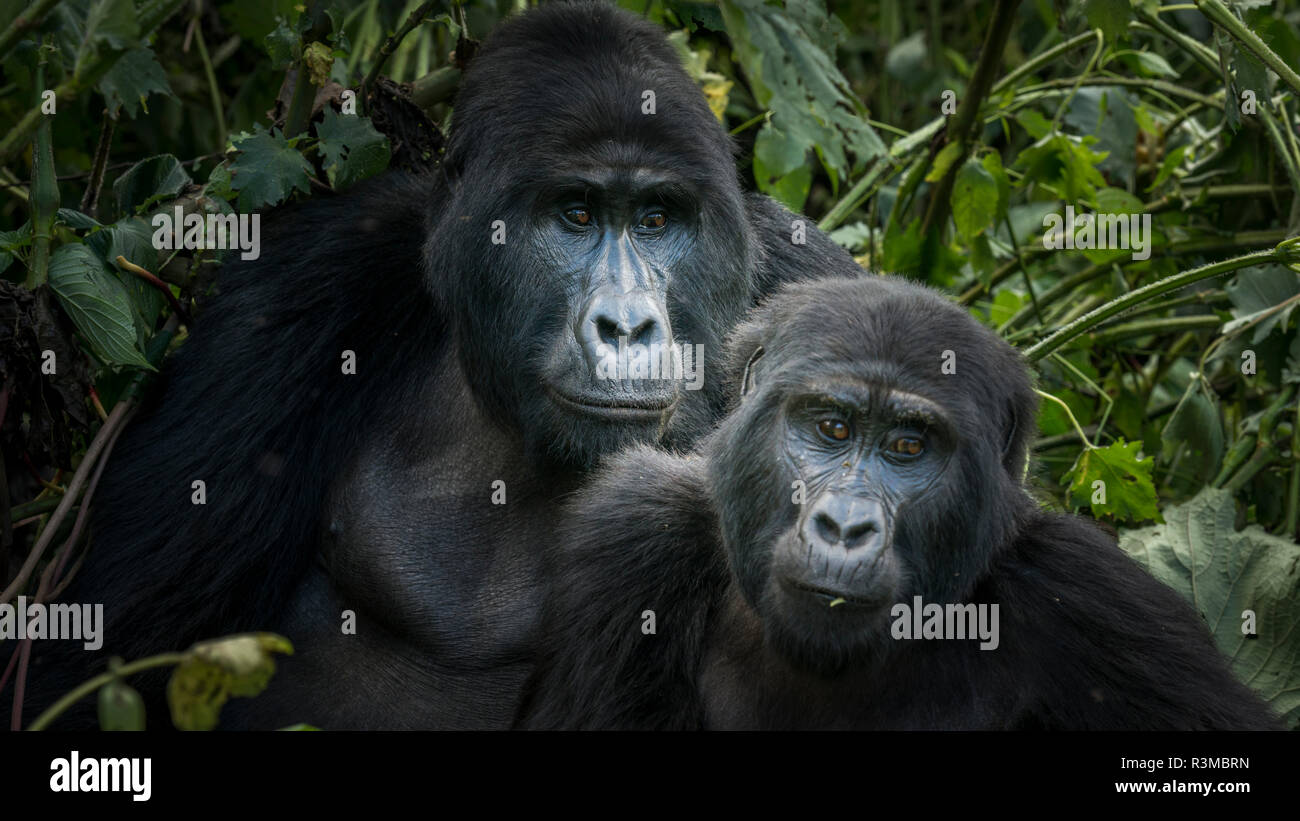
865	453
858	472
595	229
613	359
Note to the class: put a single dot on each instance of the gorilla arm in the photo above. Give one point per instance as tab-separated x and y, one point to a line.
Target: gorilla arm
1126	652
640	538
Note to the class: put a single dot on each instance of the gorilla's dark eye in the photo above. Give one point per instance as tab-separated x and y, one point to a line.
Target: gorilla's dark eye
578	216
907	446
654	220
833	429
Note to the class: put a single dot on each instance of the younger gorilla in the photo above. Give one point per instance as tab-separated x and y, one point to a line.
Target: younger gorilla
855	475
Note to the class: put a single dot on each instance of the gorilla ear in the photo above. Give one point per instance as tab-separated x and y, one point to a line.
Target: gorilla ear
1022	410
750	376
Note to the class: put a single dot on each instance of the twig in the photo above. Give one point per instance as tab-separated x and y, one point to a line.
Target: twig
90	199
390	45
961	128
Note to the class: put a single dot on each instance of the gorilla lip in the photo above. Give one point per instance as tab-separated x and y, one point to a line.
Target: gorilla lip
830	594
630	409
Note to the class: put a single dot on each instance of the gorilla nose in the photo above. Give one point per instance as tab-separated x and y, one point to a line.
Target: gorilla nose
840	519
635	316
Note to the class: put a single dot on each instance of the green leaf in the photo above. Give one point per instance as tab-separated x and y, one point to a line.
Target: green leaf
214	671
902	248
353	149
1195	425
1006	304
131	80
282	45
132	238
1256	291
267	170
1152	64
1105	116
76	220
787	53
1034	123
1172	161
1129	494
1118	201
974	199
1224	572
98	304
992	163
1063	165
151	180
111	23
1111	16
947	155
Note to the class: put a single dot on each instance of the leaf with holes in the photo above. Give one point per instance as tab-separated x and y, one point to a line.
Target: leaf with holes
1126	493
1224	573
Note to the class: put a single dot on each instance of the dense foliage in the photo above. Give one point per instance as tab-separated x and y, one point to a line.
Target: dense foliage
942	141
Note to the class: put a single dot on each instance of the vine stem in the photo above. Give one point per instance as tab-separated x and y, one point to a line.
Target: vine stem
1226	20
1087	443
86	688
961	130
1092	319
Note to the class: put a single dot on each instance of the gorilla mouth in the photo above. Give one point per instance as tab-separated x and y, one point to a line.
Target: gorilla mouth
622	409
829	595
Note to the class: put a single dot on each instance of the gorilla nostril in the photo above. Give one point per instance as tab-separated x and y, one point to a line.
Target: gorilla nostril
644	333
855	535
608	331
826	528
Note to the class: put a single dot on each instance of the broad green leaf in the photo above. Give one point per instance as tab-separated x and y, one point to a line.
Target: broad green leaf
76	220
282	45
267	170
132	238
151	180
1224	572
901	253
1034	123
1004	306
947	155
1172	161
974	199
1195	425
1255	292
1153	65
992	163
98	304
787	55
353	149
1105	116
1065	166
1111	16
131	80
1129	494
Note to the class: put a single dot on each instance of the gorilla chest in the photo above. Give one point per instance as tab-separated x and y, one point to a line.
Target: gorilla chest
442	548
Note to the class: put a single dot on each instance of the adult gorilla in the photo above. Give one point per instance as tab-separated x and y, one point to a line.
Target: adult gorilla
767	581
418	491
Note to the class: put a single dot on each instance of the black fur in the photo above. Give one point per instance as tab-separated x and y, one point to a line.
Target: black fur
311	502
1088	640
